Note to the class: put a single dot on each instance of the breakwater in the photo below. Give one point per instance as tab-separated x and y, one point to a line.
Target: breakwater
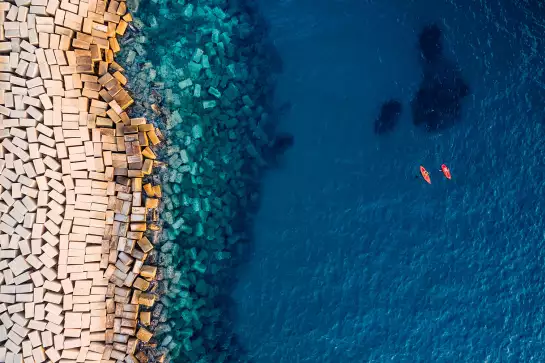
78	206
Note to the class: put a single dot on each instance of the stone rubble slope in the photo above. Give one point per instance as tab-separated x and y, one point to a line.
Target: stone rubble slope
74	202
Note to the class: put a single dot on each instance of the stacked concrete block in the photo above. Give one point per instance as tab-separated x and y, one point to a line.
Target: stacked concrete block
72	216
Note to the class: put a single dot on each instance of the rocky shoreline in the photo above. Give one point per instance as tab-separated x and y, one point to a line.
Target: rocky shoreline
80	202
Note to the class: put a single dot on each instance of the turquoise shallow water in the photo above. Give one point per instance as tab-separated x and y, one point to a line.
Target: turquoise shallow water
350	258
202	72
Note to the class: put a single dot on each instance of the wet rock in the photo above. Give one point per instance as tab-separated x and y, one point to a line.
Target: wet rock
133	5
388	117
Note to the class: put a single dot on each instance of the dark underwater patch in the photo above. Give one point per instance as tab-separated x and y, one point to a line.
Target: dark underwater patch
282	142
429	41
437	104
388	117
273	152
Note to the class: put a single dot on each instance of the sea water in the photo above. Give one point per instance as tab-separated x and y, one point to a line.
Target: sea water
352	257
355	259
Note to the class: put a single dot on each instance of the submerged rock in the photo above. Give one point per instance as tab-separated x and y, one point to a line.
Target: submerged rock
203	74
282	142
388	117
273	152
429	41
133	5
437	104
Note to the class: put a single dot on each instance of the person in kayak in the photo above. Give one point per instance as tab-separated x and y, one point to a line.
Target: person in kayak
446	171
425	174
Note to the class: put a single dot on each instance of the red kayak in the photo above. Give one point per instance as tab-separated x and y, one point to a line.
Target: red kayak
446	171
425	174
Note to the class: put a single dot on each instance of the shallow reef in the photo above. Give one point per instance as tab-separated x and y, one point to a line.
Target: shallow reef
388	118
437	104
430	44
202	71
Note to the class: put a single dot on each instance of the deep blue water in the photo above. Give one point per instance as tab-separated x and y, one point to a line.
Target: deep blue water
356	260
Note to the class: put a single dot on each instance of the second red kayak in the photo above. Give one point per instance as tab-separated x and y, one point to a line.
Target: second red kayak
446	171
425	174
